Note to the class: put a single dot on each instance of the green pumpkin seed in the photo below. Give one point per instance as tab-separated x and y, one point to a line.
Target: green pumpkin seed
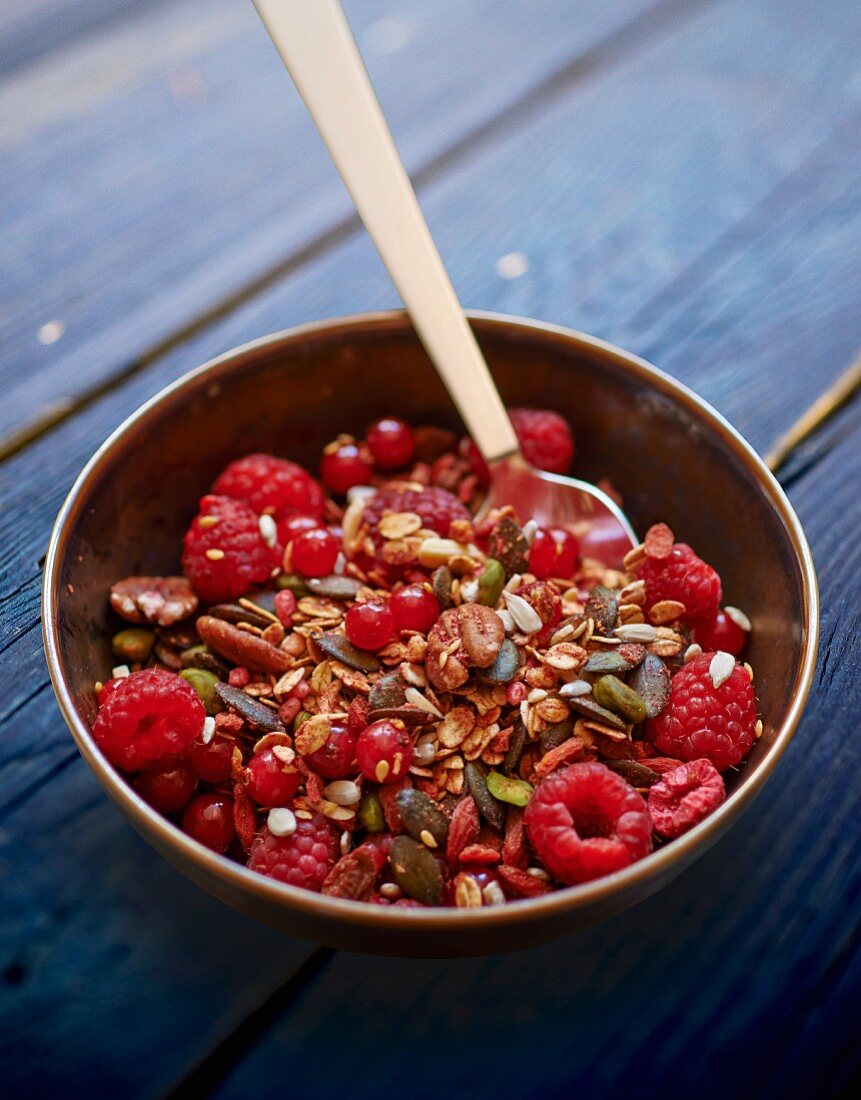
295	583
651	682
611	661
343	650
615	695
506	665
205	684
491	810
335	587
441	582
491	583
603	608
420	814
133	644
234	613
389	691
586	705
416	870
256	714
637	774
516	792
371	813
515	748
555	735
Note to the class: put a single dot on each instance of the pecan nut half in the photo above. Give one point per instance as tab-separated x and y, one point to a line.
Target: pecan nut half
160	600
465	637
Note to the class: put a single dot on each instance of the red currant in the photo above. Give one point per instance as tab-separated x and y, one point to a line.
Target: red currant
314	553
213	763
209	820
370	625
291	526
336	757
167	788
720	632
345	464
392	443
554	553
414	608
270	782
384	751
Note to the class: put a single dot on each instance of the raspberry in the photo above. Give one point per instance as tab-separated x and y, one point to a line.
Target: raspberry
684	577
586	821
224	554
147	717
438	508
701	720
302	859
545	438
684	796
272	485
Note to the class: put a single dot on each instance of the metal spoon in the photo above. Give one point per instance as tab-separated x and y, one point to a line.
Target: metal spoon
315	43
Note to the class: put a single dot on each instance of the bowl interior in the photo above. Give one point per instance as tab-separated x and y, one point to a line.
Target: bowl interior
669	459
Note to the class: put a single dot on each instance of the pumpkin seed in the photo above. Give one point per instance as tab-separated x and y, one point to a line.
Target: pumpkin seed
515	748
420	814
506	665
615	695
343	650
491	810
603	608
441	582
491	583
294	582
585	704
205	684
509	546
651	681
253	712
389	691
555	735
335	587
416	870
516	792
613	661
133	644
409	715
637	774
371	813
235	613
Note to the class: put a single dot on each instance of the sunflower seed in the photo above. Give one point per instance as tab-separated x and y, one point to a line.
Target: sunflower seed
334	587
576	687
636	632
721	668
525	616
281	821
739	618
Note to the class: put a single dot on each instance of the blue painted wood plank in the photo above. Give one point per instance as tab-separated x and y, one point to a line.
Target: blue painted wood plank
167	166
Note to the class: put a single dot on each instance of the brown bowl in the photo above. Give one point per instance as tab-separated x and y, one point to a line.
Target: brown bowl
672	456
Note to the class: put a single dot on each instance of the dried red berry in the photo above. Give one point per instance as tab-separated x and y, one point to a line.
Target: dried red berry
149	716
586	821
684	796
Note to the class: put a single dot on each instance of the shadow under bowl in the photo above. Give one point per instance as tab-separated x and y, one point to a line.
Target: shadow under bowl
671	455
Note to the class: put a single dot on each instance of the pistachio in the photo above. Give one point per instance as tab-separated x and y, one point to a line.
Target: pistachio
516	792
294	583
205	684
416	870
651	681
420	814
603	608
343	650
506	665
371	813
256	714
491	582
133	644
334	587
615	695
300	719
491	810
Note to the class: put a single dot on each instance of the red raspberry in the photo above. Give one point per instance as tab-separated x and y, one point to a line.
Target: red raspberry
438	508
701	720
684	577
685	796
545	438
302	859
226	558
586	821
147	717
272	485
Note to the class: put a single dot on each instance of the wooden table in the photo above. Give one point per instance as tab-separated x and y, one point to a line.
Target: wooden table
678	176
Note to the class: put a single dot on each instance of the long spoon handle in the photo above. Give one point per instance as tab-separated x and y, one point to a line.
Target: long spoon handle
315	43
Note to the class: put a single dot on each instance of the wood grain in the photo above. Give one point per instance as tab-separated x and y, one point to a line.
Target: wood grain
182	165
699	202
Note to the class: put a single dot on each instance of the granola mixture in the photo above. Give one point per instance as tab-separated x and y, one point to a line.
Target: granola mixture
357	689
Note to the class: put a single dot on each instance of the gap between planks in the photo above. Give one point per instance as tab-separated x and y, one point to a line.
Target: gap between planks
663	17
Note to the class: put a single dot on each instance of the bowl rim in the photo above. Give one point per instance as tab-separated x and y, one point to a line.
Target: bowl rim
651	870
